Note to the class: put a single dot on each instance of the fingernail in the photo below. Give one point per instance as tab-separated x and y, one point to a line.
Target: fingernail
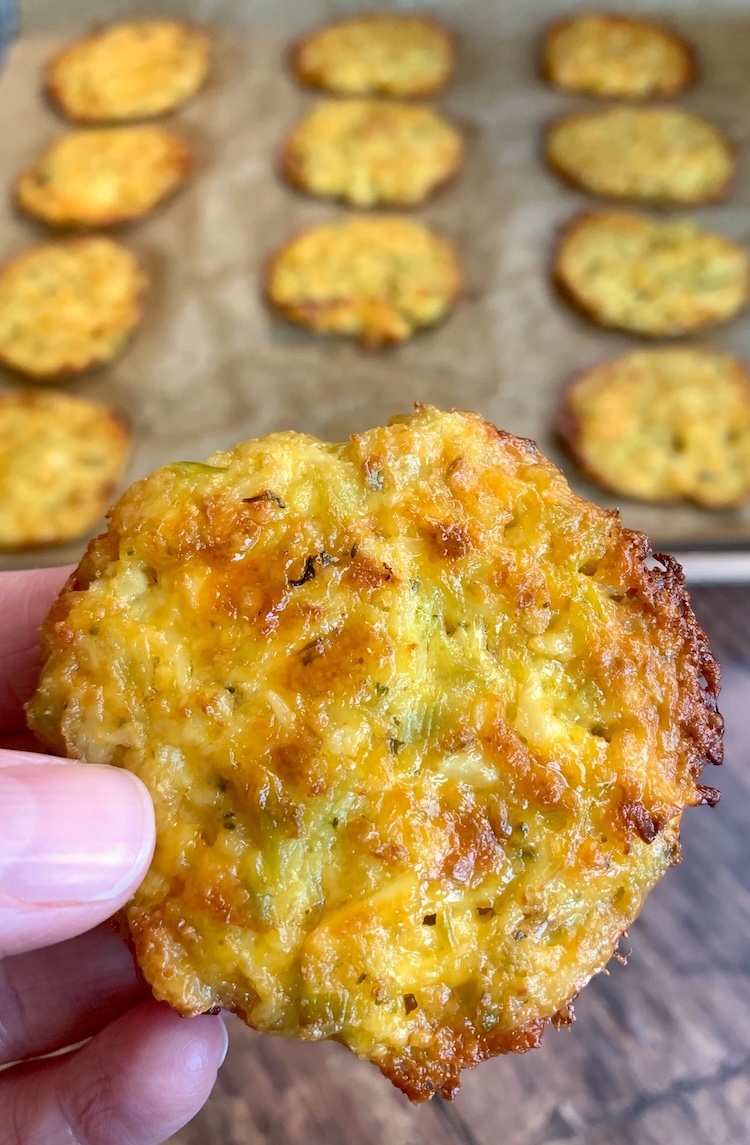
71	833
226	1045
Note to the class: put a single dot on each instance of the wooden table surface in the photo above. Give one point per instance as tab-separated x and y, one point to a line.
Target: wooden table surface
659	1055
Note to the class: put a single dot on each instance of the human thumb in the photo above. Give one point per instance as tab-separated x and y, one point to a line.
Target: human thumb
75	842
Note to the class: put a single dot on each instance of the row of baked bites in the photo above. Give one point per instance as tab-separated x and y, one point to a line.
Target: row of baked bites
72	304
664	423
376	278
658	424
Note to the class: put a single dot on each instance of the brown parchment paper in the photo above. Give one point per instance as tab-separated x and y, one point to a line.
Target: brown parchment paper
211	366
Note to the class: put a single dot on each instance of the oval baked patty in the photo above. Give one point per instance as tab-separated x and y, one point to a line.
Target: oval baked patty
68	306
663	424
369	151
418	722
395	54
617	56
377	279
651	278
98	178
61	461
137	69
658	154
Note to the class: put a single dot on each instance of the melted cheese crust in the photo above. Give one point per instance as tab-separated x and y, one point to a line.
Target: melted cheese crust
617	56
663	425
61	460
369	152
399	55
101	177
661	154
418	722
134	70
375	279
650	278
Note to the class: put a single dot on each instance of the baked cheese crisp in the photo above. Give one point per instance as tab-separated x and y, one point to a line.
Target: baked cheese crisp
391	54
650	278
376	279
664	425
369	152
659	154
138	69
419	725
617	56
68	306
61	461
102	177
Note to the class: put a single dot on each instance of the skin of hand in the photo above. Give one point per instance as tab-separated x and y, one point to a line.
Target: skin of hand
75	842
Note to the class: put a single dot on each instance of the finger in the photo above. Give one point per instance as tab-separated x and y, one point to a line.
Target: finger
25	600
56	997
139	1081
75	842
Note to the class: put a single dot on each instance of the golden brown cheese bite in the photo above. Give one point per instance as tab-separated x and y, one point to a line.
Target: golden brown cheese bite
651	278
605	54
376	54
664	424
418	722
375	279
98	178
68	306
662	154
61	460
135	70
369	151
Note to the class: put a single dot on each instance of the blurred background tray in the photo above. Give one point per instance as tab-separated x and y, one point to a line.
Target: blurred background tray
211	365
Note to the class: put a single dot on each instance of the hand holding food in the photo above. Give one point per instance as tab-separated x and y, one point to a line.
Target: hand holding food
75	841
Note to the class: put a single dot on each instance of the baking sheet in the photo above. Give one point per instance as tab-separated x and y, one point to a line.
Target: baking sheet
211	365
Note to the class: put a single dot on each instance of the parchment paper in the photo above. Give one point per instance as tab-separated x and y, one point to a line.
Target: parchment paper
211	365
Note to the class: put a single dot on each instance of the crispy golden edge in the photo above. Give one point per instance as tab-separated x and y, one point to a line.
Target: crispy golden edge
300	314
289	170
571	297
295	52
567	427
416	1081
122	424
70	371
661	589
184	165
52	92
567	177
688	49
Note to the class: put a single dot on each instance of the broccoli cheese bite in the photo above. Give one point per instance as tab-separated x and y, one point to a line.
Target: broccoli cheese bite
370	151
135	70
61	460
664	424
375	279
376	54
418	722
662	154
617	56
651	278
98	178
68	306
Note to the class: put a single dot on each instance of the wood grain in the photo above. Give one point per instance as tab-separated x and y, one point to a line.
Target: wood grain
659	1055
